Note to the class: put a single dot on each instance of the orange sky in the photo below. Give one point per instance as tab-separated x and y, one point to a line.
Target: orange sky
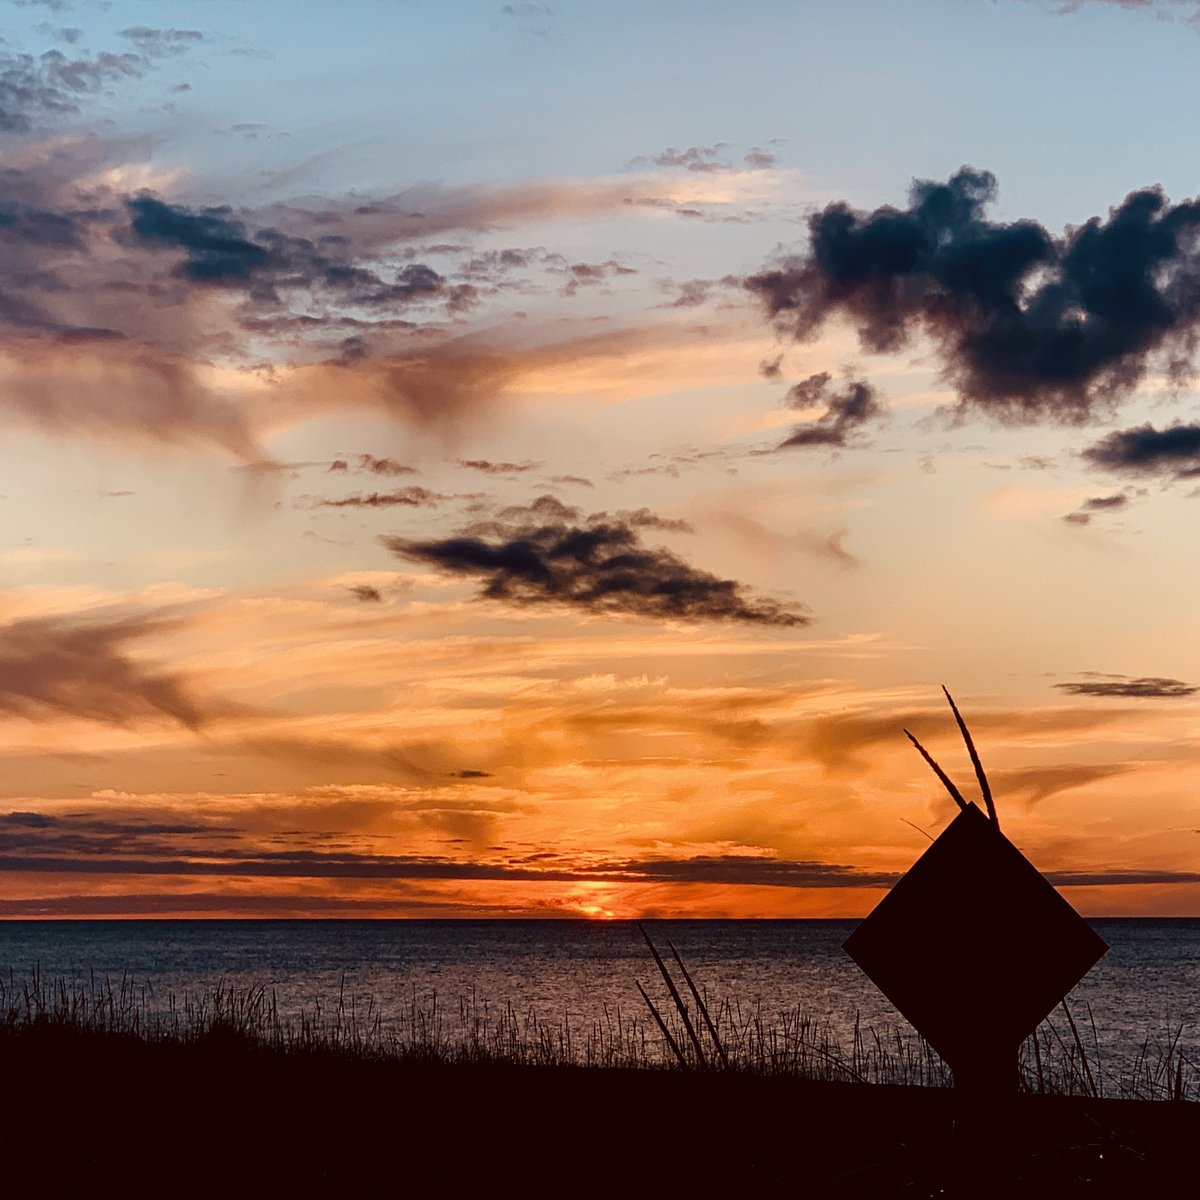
525	519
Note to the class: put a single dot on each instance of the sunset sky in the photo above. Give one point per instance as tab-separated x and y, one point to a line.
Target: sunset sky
466	459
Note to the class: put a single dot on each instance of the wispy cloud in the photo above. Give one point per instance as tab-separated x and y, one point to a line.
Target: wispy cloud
51	667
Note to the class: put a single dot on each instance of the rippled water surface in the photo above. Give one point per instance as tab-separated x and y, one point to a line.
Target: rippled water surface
1147	985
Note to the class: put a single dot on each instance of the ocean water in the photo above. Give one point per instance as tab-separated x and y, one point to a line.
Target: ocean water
573	972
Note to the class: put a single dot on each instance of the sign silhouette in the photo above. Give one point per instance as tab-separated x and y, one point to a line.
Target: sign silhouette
974	946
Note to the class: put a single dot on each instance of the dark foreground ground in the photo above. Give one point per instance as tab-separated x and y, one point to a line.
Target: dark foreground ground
94	1115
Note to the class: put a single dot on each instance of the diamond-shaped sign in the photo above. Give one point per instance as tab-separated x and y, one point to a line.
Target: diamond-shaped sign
973	945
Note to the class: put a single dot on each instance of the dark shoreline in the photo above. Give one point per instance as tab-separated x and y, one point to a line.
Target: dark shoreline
221	1111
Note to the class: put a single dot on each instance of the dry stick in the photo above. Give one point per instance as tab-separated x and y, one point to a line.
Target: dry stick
1096	1043
984	786
947	782
679	1004
917	828
700	1005
662	1025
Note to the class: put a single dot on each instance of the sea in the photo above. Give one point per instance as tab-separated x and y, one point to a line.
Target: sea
572	974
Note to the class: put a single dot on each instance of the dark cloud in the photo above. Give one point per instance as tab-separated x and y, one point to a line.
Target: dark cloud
671	470
366	593
409	497
83	846
30	221
847	410
217	246
84	843
1124	687
128	834
371	465
703	159
1094	504
491	265
27	820
1028	325
1119	878
52	84
468	773
753	871
55	667
726	869
644	518
582	274
87	851
1144	450
550	554
220	250
383	466
486	273
691	293
497	468
212	903
759	160
78	833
